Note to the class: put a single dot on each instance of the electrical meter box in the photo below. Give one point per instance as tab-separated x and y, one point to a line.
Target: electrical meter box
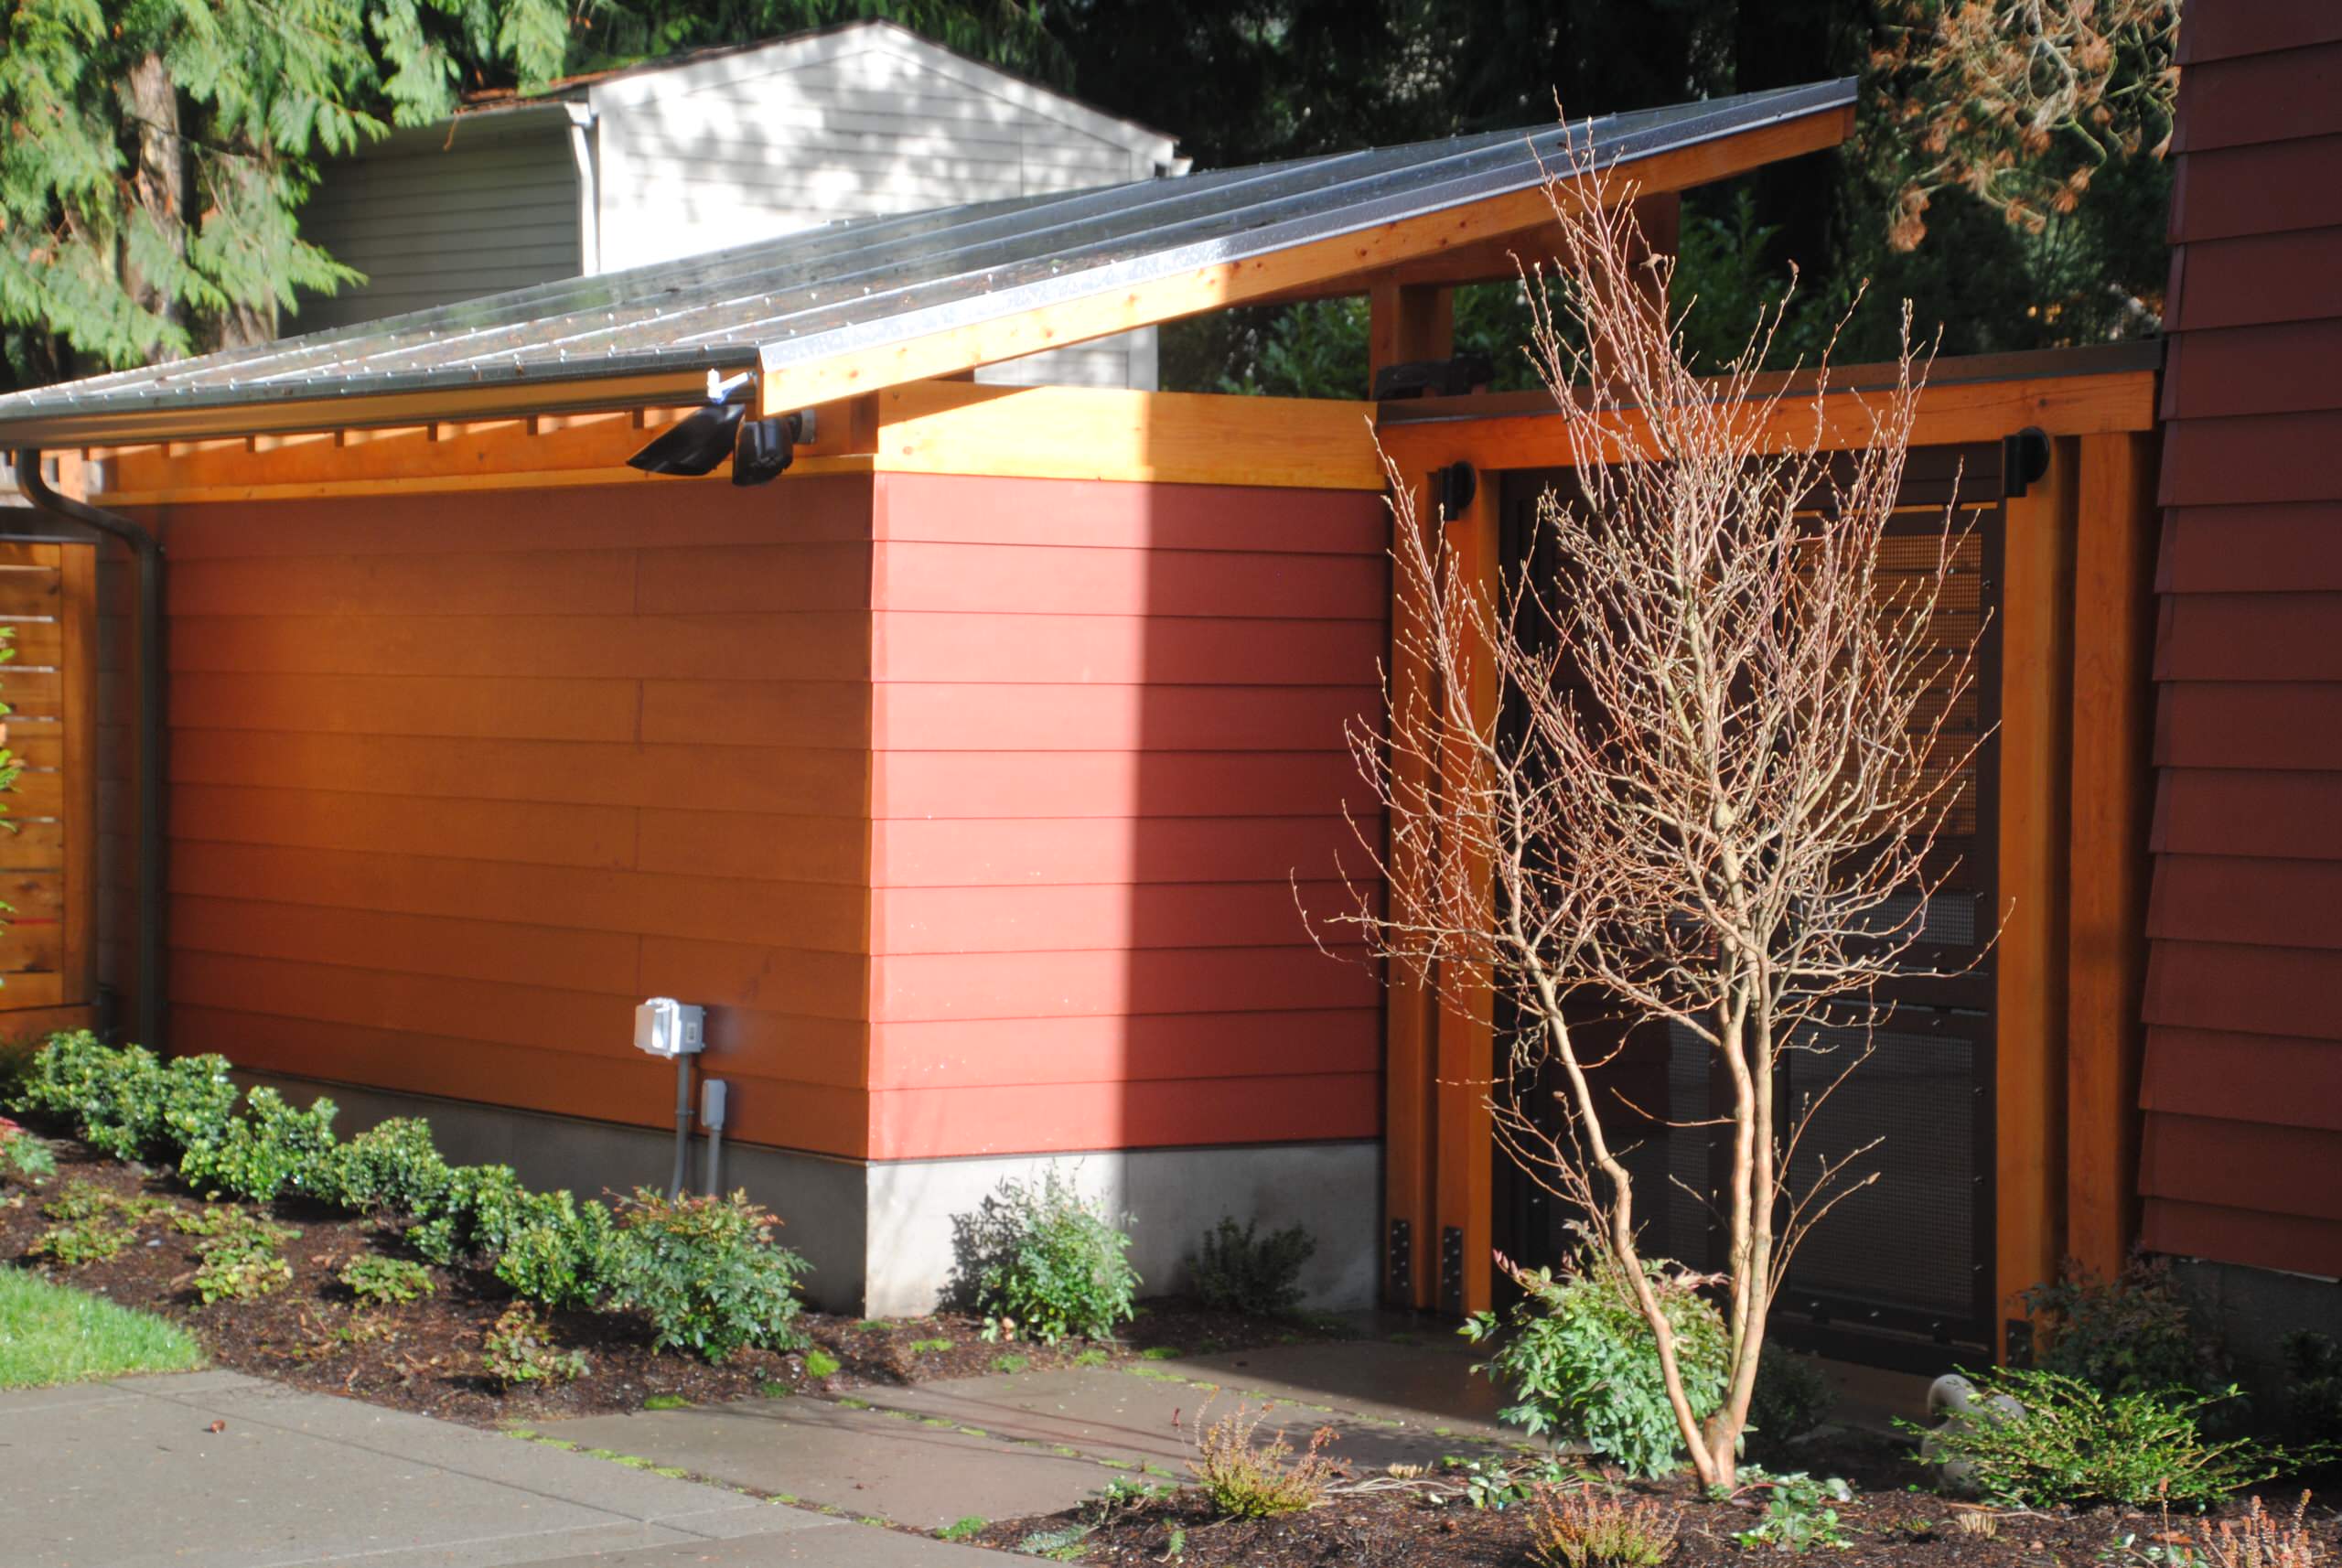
666	1027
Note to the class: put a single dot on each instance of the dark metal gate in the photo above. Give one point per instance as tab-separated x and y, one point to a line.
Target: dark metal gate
1901	1273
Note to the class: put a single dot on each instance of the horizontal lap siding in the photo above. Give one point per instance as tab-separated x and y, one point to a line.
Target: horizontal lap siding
2243	1072
456	781
1107	727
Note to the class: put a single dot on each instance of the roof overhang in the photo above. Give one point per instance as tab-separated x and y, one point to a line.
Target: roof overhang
835	312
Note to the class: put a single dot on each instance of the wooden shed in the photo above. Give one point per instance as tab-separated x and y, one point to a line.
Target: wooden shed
964	771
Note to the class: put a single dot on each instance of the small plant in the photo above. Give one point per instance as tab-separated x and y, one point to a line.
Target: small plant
820	1363
392	1167
272	1150
1236	1269
707	1273
2259	1540
2129	1335
558	1250
927	1347
1495	1485
966	1528
377	1281
92	1224
2074	1446
1972	1522
1800	1513
1792	1398
1247	1482
23	1156
1011	1363
520	1350
1579	1528
1579	1361
241	1260
1040	1260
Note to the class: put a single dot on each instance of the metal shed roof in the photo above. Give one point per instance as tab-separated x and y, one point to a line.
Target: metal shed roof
784	303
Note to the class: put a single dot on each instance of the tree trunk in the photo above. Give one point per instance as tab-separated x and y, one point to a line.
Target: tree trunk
158	184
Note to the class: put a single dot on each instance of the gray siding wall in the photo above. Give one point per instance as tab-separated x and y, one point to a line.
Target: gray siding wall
433	217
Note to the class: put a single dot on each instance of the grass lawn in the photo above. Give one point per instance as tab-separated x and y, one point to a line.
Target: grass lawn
50	1334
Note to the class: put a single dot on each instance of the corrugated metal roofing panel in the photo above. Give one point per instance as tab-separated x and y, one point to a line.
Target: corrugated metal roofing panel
871	282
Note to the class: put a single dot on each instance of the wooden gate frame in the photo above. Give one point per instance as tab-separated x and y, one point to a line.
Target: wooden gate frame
2075	782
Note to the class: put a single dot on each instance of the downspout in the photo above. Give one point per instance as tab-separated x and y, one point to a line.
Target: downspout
148	550
589	188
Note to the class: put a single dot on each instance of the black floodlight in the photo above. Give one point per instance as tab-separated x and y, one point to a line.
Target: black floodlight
765	449
705	437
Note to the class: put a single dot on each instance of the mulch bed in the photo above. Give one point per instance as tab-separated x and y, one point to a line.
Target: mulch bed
1887	1522
425	1356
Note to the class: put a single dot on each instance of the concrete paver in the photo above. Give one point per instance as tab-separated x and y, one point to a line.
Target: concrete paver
130	1475
831	1546
896	1467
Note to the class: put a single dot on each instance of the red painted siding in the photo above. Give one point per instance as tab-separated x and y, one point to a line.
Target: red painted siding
459	779
1107	721
2243	1075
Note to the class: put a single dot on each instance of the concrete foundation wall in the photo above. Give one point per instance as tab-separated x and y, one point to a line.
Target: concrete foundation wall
879	1235
2254	1311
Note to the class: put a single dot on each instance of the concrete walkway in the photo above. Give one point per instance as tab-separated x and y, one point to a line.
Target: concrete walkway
930	1455
134	1474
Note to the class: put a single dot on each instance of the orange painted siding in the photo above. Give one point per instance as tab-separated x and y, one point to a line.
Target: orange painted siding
459	779
1107	724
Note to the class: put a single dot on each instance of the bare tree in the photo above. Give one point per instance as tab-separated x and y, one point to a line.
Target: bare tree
1709	794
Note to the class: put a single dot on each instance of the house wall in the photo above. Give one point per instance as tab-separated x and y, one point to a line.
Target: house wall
851	124
457	779
2243	1072
1108	731
441	213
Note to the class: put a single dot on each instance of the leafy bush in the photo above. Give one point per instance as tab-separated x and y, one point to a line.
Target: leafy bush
1236	1271
558	1250
392	1167
2076	1446
475	1212
2129	1335
1246	1482
1791	1398
1800	1513
272	1151
23	1156
520	1350
377	1281
707	1273
1578	1527
1579	1361
241	1259
1041	1260
123	1100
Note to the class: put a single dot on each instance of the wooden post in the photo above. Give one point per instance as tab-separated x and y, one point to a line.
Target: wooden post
1466	1048
2113	704
1406	323
2036	714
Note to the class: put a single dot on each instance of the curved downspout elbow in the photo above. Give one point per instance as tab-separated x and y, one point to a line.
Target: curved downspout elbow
148	551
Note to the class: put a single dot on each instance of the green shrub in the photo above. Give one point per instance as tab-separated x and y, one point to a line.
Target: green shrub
241	1259
520	1350
1237	1271
2129	1335
1040	1260
23	1156
123	1100
1247	1482
392	1167
1579	1362
2076	1446
475	1212
558	1250
707	1273
1800	1512
272	1151
198	1103
1791	1398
